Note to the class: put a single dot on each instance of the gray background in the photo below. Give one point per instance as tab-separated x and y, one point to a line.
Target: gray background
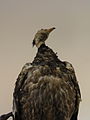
19	21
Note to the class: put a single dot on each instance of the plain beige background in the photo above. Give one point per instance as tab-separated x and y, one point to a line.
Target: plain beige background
19	21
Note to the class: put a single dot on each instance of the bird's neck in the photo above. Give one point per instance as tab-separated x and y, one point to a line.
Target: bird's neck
42	46
39	44
45	55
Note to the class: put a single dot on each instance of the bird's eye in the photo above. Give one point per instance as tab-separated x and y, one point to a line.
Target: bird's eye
43	36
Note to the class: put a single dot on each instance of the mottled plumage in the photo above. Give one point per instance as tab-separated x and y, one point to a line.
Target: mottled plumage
46	89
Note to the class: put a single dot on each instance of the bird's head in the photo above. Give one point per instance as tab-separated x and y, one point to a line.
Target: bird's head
41	36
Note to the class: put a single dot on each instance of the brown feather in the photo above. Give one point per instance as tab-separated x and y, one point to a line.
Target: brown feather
47	90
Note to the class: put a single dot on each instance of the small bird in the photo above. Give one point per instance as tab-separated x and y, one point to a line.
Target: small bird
46	88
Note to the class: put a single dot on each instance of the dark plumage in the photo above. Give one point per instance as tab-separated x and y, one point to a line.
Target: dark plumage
46	89
6	116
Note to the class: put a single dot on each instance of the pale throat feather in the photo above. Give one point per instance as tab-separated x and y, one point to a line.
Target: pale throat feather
38	44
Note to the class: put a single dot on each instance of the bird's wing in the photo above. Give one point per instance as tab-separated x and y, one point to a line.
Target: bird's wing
22	76
73	79
71	73
18	87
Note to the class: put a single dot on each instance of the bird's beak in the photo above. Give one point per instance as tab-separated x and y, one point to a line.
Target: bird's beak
50	30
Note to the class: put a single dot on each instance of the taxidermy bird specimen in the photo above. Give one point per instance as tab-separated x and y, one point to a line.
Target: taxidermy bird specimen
46	88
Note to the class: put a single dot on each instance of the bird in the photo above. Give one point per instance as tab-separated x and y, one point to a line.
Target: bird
47	87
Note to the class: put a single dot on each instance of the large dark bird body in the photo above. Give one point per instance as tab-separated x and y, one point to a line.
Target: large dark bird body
46	89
